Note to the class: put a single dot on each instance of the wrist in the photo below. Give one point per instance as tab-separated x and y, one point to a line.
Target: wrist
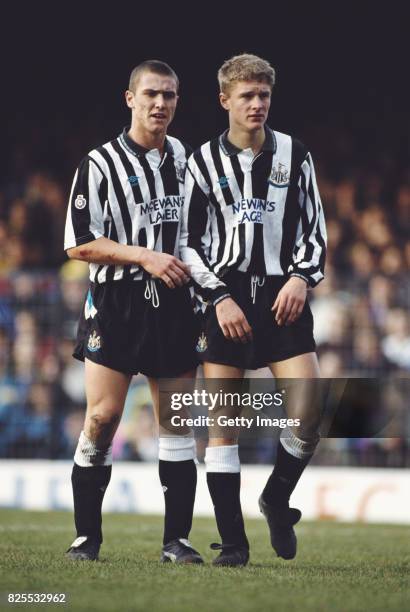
300	277
221	299
140	255
215	295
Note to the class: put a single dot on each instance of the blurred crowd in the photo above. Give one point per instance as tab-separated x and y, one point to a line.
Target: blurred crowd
361	311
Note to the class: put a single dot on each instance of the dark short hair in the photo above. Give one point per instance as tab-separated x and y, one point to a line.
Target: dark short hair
155	66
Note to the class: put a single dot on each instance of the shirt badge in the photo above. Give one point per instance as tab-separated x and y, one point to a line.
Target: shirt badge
223	182
279	176
80	202
180	168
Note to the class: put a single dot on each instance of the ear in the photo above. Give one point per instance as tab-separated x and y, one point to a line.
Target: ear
129	98
224	100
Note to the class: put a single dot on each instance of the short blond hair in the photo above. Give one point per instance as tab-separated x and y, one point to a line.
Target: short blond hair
245	67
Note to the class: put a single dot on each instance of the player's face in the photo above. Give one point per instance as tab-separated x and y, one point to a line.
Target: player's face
248	104
153	102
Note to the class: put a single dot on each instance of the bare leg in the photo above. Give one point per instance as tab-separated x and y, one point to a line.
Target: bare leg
304	399
215	370
295	449
106	391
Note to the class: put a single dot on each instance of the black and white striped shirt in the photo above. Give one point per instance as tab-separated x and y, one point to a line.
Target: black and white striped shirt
260	214
131	195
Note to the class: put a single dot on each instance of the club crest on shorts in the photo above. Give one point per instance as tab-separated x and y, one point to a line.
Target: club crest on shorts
80	202
202	343
279	176
89	308
180	168
94	342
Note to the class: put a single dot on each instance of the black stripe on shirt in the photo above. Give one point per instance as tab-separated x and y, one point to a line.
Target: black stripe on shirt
262	167
219	216
171	187
291	215
81	218
130	171
216	157
122	201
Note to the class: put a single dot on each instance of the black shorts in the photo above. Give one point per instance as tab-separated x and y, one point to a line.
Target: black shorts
121	329
271	342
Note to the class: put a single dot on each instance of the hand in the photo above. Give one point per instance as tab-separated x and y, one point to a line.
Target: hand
290	301
166	267
232	321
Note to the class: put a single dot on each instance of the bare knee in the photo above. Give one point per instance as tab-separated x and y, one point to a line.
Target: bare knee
101	424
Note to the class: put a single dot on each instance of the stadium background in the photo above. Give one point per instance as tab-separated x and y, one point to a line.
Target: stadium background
341	89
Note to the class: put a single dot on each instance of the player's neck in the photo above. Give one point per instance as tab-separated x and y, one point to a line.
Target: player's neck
244	139
148	140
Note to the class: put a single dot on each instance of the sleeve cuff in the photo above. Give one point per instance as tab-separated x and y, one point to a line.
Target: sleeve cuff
218	294
305	278
220	299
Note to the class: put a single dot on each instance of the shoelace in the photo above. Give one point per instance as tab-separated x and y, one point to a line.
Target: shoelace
256	281
151	292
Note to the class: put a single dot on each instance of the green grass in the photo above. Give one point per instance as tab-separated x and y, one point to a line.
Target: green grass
339	567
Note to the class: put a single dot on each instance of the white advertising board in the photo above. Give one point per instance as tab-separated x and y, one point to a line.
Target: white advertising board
343	494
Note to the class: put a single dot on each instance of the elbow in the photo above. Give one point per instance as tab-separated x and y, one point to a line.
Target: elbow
71	253
76	253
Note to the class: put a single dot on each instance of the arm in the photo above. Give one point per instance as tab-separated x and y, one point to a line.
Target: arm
84	231
195	235
307	268
195	245
105	251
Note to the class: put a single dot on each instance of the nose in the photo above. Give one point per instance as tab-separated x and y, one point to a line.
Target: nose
257	102
160	100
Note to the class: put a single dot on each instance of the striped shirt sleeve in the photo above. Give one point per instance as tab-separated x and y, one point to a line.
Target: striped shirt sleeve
195	239
309	252
84	221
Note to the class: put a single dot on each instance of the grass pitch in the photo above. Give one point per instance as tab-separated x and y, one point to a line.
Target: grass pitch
338	567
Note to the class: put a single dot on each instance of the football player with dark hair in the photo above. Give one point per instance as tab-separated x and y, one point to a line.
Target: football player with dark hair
123	219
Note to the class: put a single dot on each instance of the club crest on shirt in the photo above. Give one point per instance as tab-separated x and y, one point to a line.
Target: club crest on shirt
94	342
202	343
80	202
180	168
279	176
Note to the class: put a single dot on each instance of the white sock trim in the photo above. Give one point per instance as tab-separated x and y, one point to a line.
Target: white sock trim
223	459
177	448
88	455
301	449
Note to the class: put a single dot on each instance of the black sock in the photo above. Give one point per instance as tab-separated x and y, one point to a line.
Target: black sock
178	479
284	478
89	485
225	493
